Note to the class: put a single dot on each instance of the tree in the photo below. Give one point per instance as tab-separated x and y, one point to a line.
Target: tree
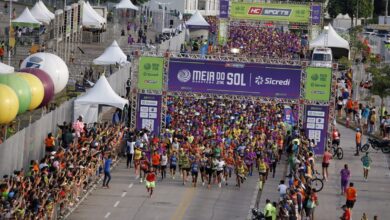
353	8
380	82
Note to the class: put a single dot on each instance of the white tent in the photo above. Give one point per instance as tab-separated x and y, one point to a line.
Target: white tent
197	21
5	69
40	14
47	11
126	4
26	19
330	38
87	105
91	19
111	55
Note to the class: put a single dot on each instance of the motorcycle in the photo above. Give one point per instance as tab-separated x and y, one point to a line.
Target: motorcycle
383	145
257	215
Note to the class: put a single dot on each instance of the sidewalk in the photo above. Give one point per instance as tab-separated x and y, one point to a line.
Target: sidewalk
373	195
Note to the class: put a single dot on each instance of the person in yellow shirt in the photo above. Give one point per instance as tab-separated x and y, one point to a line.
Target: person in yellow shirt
137	158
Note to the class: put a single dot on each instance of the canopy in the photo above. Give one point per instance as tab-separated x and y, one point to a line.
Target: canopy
87	105
126	4
5	69
26	19
111	55
47	11
40	14
197	21
330	38
91	19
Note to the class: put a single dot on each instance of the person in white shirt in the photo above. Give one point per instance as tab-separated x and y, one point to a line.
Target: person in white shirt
163	165
129	152
282	189
220	168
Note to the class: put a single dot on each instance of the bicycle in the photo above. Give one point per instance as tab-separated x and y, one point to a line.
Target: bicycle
317	182
336	151
383	145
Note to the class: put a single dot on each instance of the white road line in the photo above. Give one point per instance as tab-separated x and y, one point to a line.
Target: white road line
107	215
124	194
116	204
131	185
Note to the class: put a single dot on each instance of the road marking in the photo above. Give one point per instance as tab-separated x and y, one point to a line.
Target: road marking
116	204
131	185
183	205
107	215
124	194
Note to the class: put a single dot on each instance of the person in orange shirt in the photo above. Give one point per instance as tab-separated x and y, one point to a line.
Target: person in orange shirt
350	195
358	139
156	161
49	143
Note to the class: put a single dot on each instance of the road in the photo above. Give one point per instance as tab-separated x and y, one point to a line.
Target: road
128	199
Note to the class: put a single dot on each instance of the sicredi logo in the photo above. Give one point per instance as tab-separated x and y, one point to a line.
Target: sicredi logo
255	10
270	81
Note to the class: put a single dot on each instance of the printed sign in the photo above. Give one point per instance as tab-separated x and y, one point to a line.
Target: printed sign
151	70
318	83
149	113
316	124
316	14
279	81
270	12
223	8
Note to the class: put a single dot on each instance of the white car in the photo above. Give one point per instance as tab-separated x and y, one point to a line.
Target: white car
322	57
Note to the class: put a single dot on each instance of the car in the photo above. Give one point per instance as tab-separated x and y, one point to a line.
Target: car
322	57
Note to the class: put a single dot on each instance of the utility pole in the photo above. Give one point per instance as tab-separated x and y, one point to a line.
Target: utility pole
387	5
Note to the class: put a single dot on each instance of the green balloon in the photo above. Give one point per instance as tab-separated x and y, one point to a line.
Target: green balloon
21	88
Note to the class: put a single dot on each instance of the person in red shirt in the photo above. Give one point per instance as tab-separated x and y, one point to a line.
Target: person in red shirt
347	213
325	163
150	181
156	161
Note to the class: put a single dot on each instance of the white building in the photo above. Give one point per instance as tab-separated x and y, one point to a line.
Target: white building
205	7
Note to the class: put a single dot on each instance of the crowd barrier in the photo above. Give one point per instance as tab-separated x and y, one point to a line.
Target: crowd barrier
28	144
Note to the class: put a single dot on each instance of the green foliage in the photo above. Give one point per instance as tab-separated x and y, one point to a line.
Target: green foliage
345	62
381	81
350	7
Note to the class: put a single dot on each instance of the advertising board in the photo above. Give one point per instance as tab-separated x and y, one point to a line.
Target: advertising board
318	83
316	126
149	113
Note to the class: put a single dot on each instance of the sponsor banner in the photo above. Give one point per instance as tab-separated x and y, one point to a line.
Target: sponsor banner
316	126
151	70
149	113
318	83
222	32
223	8
266	80
316	14
270	12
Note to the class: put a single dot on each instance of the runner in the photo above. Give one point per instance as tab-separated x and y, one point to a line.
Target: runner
262	166
194	171
164	163
346	214
150	181
173	164
129	152
345	175
350	195
366	161
336	137
186	167
107	172
156	161
144	167
229	167
137	158
325	163
358	138
220	169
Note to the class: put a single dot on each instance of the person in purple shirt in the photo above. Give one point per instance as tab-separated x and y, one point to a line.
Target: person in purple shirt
345	175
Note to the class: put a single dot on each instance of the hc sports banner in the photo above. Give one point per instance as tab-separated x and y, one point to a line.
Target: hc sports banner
270	12
316	126
151	71
206	76
318	84
149	113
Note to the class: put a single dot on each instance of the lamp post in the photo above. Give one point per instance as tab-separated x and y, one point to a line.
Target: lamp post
9	32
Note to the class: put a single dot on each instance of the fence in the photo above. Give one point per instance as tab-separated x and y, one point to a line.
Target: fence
26	145
173	44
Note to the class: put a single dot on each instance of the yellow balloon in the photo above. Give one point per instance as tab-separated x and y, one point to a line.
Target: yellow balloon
37	90
9	104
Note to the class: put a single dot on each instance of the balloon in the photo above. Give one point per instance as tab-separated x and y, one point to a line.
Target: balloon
37	90
53	65
9	104
20	87
46	81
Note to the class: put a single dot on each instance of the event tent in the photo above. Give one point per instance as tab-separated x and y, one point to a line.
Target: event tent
197	21
40	14
126	4
26	19
47	11
111	55
330	38
5	69
91	19
101	93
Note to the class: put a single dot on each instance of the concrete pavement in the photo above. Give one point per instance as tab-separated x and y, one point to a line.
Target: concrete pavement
128	199
373	196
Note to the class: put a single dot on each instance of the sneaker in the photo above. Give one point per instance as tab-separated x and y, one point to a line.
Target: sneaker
202	183
140	180
173	177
